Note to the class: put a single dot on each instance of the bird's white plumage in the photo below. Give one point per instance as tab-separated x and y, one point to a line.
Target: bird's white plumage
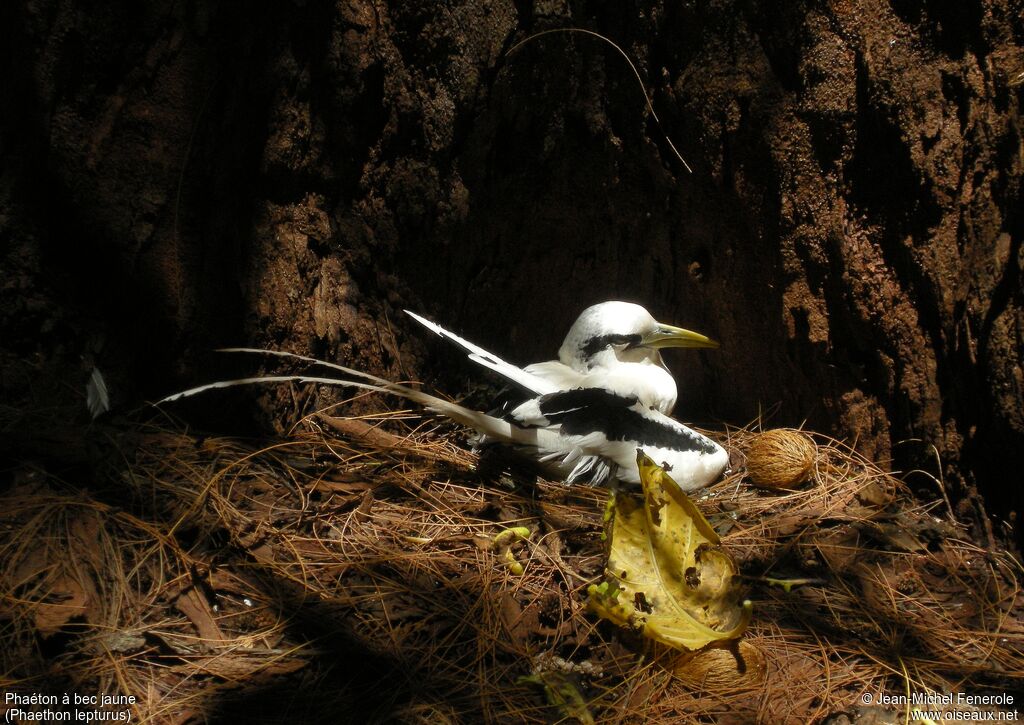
611	348
547	427
650	382
587	413
622	367
534	383
611	345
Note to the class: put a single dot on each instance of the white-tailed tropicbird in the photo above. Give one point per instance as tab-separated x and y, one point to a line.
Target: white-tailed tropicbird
587	431
611	388
612	345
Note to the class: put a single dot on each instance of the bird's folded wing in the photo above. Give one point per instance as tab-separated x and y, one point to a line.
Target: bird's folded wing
588	411
536	384
558	373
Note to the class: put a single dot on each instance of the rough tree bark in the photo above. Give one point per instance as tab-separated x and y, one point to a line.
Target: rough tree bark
177	176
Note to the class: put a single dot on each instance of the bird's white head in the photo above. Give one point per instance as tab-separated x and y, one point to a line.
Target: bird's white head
622	331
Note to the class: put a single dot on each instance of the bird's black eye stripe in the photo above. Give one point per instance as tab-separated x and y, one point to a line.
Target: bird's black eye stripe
598	343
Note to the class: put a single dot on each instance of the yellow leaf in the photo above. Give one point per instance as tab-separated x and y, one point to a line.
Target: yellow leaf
666	574
504	539
562	694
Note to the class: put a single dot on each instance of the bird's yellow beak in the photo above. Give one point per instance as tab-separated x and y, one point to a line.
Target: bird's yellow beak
671	336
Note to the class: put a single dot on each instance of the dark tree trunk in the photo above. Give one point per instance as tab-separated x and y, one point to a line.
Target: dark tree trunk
177	176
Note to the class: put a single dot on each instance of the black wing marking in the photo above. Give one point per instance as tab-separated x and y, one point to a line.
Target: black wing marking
619	418
508	399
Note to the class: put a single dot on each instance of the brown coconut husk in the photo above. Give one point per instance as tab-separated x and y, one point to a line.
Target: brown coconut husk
780	458
348	573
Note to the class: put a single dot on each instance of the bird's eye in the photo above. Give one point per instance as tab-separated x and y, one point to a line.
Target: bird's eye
598	343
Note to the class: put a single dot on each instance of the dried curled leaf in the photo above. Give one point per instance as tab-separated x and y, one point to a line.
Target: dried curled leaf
502	542
563	694
666	575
